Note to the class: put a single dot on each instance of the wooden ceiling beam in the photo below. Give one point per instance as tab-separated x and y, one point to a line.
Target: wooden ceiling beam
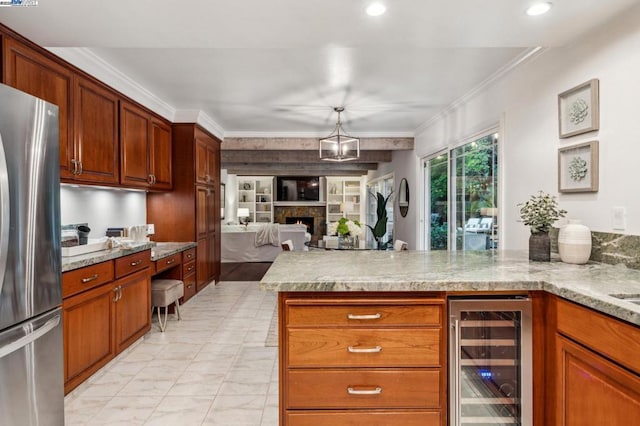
279	169
311	144
259	157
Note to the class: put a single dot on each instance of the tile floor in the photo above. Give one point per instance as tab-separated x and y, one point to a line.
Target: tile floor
211	368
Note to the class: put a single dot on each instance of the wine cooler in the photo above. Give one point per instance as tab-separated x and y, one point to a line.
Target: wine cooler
490	362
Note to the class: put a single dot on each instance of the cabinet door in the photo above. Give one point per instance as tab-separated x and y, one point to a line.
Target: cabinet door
592	390
214	264
96	132
88	333
202	225
160	155
202	268
134	146
133	308
34	73
202	158
213	162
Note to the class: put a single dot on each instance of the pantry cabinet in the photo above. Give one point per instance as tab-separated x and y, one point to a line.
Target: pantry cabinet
191	211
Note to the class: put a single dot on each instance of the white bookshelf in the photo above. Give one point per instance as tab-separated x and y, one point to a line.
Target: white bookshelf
256	194
344	198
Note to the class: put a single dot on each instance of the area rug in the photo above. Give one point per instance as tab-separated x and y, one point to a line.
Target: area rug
272	334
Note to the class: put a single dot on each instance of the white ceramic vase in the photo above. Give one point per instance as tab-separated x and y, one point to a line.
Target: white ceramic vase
574	243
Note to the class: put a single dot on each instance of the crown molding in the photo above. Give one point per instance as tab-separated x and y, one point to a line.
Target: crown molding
241	134
524	57
204	120
88	61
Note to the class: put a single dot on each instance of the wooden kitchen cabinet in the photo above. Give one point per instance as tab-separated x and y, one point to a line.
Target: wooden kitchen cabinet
379	357
95	149
191	211
145	149
593	368
105	317
40	75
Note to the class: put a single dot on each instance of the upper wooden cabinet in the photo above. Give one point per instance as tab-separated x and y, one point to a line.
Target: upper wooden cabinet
145	149
95	151
207	159
38	75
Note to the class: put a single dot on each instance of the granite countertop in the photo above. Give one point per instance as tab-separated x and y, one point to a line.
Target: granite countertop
363	270
158	251
162	250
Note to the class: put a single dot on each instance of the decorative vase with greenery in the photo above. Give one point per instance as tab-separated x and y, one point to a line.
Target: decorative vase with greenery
539	213
380	228
348	232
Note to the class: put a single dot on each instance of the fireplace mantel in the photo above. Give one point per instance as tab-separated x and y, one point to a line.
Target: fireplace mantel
299	203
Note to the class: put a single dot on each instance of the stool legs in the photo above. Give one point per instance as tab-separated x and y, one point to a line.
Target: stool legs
163	323
178	310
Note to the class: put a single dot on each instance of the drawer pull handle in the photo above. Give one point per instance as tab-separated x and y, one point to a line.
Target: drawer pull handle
373	350
136	263
364	317
376	391
190	285
89	279
170	261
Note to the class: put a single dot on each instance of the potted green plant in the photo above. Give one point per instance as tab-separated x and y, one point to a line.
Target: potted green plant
539	213
380	228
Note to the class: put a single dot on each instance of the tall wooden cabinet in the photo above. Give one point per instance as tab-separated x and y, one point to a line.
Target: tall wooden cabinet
191	212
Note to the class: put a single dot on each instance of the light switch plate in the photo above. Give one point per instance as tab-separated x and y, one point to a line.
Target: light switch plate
151	229
618	218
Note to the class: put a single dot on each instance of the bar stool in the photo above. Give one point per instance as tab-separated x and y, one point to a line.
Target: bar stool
163	293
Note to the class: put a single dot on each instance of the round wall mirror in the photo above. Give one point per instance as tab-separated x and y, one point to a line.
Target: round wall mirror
403	198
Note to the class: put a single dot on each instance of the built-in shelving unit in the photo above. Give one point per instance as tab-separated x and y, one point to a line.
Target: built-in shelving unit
256	194
344	195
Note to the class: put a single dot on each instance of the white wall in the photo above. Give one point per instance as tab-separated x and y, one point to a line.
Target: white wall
404	164
102	208
524	102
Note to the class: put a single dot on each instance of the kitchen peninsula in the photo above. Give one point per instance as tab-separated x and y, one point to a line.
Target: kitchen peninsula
366	334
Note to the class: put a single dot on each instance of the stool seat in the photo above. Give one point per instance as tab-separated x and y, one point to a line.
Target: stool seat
164	292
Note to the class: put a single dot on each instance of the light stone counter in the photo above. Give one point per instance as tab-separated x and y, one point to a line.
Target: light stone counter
486	271
162	250
76	262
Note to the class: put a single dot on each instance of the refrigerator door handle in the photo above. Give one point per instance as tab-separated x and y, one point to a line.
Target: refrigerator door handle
29	338
456	373
5	213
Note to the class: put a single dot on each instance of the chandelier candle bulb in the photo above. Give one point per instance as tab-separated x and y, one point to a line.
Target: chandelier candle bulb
574	243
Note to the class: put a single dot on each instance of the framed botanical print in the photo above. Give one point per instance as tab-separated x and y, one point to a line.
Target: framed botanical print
578	168
578	109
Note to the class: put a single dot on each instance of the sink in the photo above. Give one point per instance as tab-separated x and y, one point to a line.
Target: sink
633	298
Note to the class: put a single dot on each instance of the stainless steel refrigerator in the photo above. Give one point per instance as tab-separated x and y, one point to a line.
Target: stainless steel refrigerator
31	358
490	362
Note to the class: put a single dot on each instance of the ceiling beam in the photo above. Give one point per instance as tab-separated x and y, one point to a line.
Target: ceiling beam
263	172
302	144
279	169
258	157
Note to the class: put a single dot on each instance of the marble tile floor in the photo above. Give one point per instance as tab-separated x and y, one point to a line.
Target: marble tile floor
211	368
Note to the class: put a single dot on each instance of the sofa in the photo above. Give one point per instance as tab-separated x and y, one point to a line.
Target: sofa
238	243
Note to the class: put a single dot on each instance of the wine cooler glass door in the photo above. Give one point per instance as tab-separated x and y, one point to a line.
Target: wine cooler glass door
490	362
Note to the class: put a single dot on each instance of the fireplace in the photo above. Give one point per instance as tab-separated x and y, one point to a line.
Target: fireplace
303	220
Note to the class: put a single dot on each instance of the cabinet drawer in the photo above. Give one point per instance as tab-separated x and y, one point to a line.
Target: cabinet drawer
370	315
189	287
82	279
327	389
132	263
354	418
340	347
168	262
189	255
188	268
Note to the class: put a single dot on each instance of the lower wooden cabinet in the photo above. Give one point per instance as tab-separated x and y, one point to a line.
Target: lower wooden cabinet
103	320
356	359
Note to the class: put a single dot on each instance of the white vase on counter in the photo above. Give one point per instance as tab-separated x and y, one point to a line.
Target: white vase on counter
574	243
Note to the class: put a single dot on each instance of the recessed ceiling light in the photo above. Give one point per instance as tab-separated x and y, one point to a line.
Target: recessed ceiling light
538	8
376	9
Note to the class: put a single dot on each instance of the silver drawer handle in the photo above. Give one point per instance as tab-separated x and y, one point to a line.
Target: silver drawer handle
89	279
376	391
364	317
364	350
170	261
136	263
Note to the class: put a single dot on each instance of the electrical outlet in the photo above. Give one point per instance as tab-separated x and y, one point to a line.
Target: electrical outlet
151	229
618	218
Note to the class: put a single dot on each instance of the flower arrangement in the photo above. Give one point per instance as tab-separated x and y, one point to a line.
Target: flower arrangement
540	212
345	227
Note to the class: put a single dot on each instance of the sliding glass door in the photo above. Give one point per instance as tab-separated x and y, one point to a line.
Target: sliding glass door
461	205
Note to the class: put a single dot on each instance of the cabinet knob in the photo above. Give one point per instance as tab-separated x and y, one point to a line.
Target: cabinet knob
150	179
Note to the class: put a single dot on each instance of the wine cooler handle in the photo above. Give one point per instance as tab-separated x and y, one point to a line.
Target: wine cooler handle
456	373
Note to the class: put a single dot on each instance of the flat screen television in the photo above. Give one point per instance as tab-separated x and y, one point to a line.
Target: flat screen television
298	188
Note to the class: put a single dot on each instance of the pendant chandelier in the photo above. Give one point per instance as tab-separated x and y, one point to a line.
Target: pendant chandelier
339	146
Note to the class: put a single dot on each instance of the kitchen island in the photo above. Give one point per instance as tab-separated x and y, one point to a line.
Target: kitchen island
400	298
